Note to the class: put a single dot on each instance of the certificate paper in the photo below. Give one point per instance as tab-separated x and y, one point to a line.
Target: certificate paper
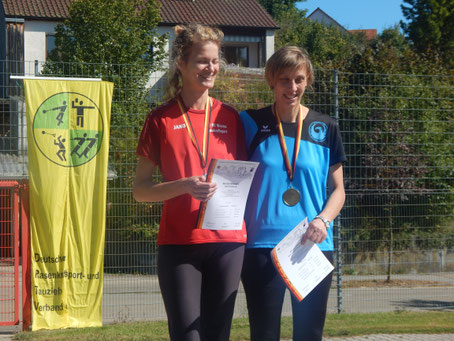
301	266
225	209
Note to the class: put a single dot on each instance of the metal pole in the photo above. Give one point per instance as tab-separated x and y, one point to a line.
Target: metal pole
26	258
337	225
36	68
57	78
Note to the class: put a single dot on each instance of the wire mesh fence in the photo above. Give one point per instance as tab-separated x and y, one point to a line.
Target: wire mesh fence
395	234
9	265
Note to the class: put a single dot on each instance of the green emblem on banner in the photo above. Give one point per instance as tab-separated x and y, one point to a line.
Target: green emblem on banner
68	129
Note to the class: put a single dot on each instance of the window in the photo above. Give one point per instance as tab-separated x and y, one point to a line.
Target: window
51	49
238	55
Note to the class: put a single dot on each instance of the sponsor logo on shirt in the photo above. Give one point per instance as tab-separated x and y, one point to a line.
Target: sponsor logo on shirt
218	128
179	126
265	129
318	131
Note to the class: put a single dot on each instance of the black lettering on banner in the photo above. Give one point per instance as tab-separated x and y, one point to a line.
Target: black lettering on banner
48	292
48	307
93	276
48	259
58	275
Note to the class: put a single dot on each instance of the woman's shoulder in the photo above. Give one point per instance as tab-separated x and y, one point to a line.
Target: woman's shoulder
258	113
164	108
223	107
166	111
314	115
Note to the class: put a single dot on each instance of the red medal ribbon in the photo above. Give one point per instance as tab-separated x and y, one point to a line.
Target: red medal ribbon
290	169
203	153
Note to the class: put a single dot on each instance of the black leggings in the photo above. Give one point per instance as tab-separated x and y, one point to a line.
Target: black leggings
199	284
265	292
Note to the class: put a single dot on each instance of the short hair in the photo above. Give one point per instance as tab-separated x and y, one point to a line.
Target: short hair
186	37
288	57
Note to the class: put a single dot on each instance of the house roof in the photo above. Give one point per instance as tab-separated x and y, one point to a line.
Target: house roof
237	13
319	13
36	9
368	33
322	13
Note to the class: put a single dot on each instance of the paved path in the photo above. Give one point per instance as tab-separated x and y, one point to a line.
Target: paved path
135	298
6	336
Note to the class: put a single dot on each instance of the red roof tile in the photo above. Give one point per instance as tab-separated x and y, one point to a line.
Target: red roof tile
237	13
368	33
37	9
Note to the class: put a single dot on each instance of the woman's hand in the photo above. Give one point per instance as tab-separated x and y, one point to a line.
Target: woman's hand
316	232
199	189
146	190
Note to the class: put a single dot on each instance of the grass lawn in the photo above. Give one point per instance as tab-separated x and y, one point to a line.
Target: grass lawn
336	325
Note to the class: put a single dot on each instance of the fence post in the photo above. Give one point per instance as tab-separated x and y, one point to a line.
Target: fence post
36	67
337	225
26	257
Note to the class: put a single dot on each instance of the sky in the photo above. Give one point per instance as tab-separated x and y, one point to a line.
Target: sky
359	14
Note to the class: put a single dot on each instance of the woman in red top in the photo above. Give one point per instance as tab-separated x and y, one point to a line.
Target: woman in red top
198	269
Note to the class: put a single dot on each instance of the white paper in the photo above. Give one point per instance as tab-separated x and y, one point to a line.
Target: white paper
225	209
302	267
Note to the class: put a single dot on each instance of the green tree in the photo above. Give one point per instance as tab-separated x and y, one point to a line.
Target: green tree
118	32
102	38
117	41
430	26
327	46
278	7
390	52
395	152
113	40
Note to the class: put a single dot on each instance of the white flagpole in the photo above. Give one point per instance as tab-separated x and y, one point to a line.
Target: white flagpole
57	78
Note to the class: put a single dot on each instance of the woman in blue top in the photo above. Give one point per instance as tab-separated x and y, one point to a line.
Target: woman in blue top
300	175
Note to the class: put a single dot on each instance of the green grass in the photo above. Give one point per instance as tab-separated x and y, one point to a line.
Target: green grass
400	322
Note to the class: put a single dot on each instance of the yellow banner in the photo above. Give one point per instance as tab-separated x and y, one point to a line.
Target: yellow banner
68	144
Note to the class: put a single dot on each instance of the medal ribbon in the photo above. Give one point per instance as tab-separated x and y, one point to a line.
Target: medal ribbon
203	154
290	169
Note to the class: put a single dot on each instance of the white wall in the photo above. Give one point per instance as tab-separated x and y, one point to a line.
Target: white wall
269	44
35	42
156	82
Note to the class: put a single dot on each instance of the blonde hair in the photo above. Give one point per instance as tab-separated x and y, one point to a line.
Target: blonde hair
186	37
288	57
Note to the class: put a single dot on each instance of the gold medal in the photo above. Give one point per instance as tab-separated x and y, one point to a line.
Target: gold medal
291	197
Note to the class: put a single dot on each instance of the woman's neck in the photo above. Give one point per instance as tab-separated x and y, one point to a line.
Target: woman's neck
194	100
288	114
